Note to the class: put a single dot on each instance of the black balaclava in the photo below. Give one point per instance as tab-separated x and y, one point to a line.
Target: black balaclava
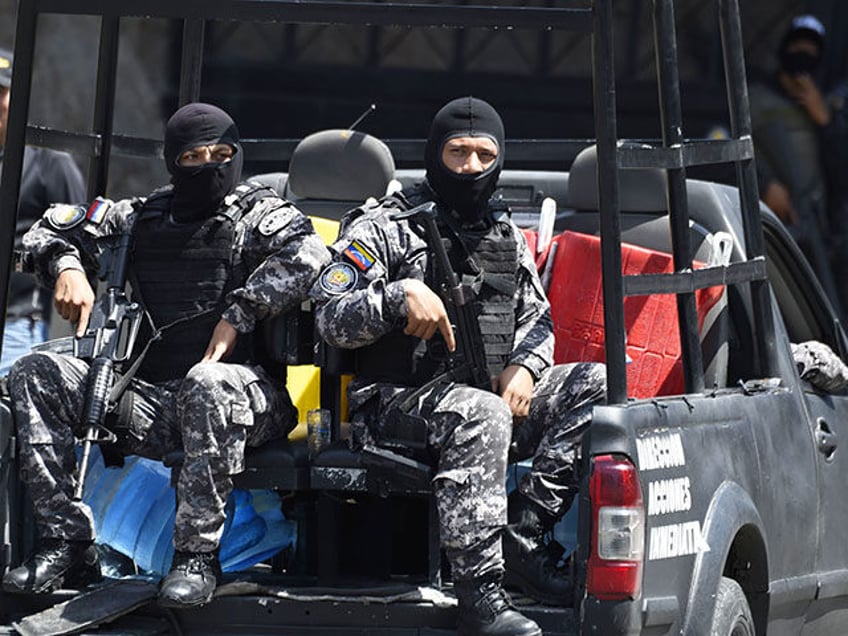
803	27
199	190
467	194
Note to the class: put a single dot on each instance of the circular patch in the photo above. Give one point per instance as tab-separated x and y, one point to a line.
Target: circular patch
338	278
275	220
62	216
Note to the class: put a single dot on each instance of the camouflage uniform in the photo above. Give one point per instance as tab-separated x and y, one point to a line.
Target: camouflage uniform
211	414
819	365
471	429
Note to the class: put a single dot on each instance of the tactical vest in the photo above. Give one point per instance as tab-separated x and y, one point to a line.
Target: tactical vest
181	273
487	260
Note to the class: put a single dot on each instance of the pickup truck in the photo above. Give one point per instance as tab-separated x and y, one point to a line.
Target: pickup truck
712	481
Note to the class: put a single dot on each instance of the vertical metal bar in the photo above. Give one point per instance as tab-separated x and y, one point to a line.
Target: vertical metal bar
373	57
192	60
290	43
330	397
460	39
603	86
766	359
104	104
458	60
634	35
13	156
10	183
544	63
665	46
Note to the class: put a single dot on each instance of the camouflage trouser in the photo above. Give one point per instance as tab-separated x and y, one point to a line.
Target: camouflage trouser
560	411
210	415
473	432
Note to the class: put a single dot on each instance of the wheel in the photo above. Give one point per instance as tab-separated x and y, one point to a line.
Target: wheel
732	614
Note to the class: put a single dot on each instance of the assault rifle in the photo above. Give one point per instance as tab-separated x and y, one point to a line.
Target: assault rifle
473	368
401	430
107	344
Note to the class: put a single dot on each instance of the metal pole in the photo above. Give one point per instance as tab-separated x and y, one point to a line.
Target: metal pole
766	360
192	60
10	184
104	104
13	157
665	46
603	80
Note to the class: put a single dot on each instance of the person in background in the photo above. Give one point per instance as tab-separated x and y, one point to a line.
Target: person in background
794	137
48	176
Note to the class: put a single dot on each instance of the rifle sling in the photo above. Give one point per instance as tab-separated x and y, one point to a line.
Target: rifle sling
121	385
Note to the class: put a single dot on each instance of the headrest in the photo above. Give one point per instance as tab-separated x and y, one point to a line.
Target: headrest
340	165
639	189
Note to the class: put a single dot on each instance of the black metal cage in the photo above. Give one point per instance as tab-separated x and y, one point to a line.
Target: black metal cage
673	153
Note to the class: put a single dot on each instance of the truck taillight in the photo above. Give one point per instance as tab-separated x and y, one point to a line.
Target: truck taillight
614	570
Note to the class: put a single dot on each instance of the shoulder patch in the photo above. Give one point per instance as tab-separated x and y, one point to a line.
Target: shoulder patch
275	220
338	278
359	255
97	210
63	216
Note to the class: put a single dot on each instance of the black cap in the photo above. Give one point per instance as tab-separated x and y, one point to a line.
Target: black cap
5	67
807	27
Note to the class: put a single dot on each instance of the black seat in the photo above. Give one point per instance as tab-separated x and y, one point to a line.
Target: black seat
372	478
332	171
278	465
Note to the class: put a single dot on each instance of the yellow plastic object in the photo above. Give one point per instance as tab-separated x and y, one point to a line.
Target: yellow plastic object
304	382
327	229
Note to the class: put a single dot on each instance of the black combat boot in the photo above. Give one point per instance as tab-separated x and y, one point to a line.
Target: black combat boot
192	579
531	564
58	564
485	609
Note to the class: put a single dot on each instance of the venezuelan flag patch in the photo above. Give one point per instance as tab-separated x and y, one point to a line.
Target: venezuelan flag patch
97	210
359	255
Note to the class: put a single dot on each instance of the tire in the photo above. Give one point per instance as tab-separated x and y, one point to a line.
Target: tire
732	615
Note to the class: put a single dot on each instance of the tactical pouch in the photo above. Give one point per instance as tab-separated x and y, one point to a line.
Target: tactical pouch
400	429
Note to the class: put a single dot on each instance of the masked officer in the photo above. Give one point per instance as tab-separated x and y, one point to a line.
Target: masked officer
211	259
798	144
380	296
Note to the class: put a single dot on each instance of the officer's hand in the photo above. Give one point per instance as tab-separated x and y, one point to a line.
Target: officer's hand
515	385
805	91
73	298
425	313
222	342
